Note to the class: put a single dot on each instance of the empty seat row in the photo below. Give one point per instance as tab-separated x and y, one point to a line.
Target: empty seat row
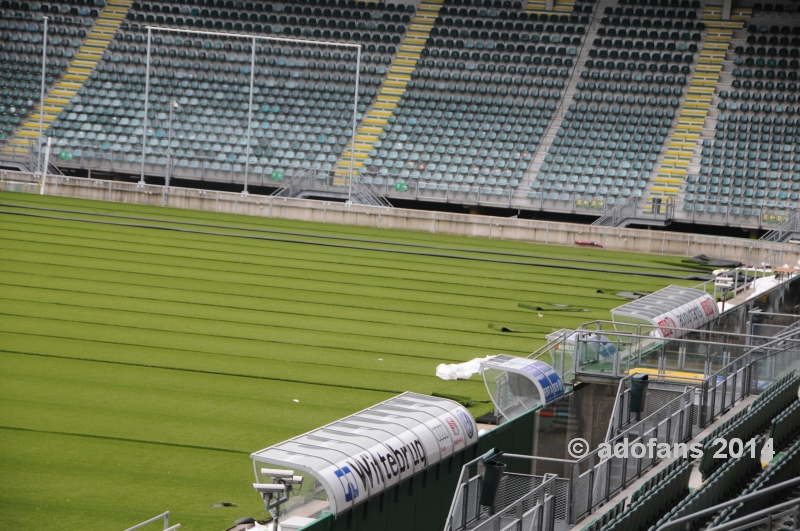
758	6
21	39
759	417
355	10
784	469
612	31
652	503
726	482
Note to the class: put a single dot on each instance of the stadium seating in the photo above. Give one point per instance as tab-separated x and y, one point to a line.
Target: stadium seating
607	517
753	163
786	426
483	92
651	504
553	110
21	36
727	481
770	404
784	469
624	105
303	95
657	479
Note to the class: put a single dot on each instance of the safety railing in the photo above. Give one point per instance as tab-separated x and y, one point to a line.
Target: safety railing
722	389
162	516
766	326
535	509
772	364
620	415
588	482
790	225
624	210
615	349
786	515
533	502
595	478
559	354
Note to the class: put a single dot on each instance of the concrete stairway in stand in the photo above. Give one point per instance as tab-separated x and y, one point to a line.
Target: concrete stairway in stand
681	145
392	90
82	66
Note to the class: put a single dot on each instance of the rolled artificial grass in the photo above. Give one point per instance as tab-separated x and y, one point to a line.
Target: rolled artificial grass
141	366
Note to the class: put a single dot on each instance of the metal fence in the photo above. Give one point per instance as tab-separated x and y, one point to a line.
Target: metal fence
311	181
722	389
587	483
524	502
533	510
596	479
624	210
160	517
615	350
783	517
789	226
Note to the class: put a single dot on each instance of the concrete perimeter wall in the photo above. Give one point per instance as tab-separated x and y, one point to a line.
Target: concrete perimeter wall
555	233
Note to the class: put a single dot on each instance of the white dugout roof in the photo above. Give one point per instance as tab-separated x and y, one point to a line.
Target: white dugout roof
669	308
366	453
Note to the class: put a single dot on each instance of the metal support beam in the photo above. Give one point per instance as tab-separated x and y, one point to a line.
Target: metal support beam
727	6
41	96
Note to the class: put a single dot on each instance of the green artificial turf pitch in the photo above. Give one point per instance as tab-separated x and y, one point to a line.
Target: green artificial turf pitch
145	352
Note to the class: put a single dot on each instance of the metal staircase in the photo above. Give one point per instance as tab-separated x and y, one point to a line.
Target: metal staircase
85	61
313	183
786	230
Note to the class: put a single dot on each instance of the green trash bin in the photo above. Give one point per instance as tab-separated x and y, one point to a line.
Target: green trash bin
490	483
638	395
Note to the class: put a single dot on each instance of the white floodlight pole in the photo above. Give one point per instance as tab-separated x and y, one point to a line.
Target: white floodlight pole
41	95
173	105
146	97
46	163
355	122
249	114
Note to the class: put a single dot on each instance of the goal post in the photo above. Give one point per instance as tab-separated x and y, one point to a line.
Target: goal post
253	40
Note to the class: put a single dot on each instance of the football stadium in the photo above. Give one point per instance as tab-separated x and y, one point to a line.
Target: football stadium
459	265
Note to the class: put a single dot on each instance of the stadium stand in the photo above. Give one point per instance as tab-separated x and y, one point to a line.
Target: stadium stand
751	163
209	78
783	469
624	104
577	109
654	502
77	35
608	516
665	496
774	400
493	86
722	485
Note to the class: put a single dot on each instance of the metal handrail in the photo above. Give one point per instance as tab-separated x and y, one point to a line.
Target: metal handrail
617	408
547	481
736	501
640	326
787	226
464	479
615	216
164	516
